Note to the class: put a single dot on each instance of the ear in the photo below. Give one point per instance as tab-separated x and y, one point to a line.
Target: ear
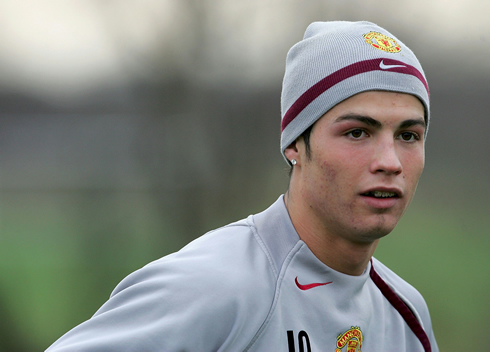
291	152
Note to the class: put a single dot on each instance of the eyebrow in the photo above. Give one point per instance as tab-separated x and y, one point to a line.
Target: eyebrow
375	123
364	119
413	122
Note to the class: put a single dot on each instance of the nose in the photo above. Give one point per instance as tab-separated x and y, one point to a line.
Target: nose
385	158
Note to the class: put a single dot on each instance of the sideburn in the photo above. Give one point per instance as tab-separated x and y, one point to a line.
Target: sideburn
306	138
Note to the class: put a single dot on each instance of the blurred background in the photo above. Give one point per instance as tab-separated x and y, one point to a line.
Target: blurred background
129	128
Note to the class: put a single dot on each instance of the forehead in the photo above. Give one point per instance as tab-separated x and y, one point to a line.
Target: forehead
382	105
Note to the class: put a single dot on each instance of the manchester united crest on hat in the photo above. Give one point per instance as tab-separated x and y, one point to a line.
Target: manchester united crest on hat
382	42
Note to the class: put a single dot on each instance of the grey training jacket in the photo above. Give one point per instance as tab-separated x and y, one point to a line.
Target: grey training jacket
252	285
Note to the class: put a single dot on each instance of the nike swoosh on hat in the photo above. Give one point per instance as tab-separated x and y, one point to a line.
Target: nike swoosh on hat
383	66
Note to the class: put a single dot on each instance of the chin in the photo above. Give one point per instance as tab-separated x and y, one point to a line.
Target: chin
373	232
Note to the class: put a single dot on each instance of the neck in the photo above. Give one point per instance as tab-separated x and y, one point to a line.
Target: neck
334	250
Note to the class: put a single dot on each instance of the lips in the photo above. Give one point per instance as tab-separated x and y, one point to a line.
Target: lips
383	192
380	194
382	197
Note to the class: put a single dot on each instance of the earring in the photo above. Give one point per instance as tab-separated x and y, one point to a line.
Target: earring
293	162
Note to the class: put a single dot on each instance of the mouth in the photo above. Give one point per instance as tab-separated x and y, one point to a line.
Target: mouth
382	198
381	194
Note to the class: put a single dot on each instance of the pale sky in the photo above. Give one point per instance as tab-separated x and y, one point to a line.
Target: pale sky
61	48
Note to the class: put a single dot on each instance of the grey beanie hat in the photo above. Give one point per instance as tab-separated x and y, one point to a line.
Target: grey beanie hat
336	60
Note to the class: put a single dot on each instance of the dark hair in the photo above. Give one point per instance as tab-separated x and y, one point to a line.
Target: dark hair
306	138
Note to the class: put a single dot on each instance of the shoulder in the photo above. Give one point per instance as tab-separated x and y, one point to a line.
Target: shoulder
227	258
215	292
409	294
395	281
201	295
199	298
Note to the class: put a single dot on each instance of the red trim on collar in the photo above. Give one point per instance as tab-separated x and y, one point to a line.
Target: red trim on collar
402	308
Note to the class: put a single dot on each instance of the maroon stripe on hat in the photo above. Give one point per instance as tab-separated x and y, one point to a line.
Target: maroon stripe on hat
402	308
338	76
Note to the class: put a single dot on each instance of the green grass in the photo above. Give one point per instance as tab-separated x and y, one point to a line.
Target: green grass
61	257
444	254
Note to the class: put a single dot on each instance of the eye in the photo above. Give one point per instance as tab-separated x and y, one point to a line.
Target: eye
409	136
356	134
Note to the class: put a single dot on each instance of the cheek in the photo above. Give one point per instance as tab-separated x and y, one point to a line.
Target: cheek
414	165
337	178
413	170
342	170
330	172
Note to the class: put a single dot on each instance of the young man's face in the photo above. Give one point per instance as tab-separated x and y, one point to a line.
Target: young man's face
367	154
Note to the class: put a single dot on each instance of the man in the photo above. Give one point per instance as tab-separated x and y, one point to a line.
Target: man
300	276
